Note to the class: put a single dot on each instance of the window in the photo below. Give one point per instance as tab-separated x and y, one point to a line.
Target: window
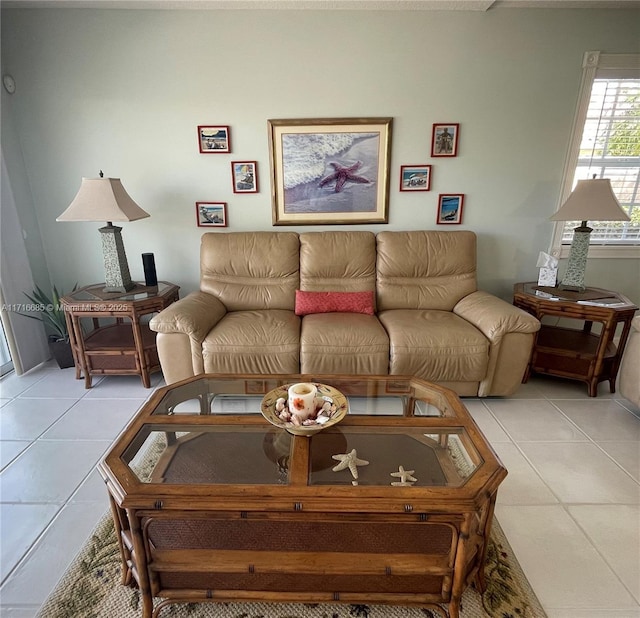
606	144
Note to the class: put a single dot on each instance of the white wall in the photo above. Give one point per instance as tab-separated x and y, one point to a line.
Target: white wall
123	91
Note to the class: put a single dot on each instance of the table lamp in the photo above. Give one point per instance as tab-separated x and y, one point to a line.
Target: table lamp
591	200
105	199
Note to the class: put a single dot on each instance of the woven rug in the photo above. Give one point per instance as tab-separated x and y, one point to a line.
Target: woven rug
91	588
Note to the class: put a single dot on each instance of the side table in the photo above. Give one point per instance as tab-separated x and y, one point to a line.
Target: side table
124	345
577	353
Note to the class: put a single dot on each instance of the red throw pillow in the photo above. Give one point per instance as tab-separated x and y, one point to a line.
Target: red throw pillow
327	302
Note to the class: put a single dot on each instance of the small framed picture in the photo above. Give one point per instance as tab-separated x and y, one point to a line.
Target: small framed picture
450	208
211	214
213	139
245	176
415	177
444	139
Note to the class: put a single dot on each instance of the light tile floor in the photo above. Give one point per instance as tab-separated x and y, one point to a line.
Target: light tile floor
570	506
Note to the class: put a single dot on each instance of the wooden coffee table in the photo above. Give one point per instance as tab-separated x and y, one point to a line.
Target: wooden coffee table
212	503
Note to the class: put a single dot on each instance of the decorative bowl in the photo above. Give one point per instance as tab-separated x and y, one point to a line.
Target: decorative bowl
338	409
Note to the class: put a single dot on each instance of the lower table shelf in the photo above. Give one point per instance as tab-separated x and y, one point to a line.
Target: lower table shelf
568	352
112	349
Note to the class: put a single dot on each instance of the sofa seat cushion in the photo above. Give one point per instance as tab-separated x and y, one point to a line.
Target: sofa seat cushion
343	343
261	341
435	345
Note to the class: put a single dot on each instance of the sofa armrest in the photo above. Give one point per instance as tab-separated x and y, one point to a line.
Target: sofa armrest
495	317
194	315
510	332
630	365
181	329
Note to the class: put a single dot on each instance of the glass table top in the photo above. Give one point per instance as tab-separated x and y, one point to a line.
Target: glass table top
140	292
386	396
343	456
210	431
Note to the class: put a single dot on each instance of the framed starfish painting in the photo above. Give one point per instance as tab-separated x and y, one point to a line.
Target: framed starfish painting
330	171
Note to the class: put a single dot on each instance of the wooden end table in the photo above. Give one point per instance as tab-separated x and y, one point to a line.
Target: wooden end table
577	353
123	346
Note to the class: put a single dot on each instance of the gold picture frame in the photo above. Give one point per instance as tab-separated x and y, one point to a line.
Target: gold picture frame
330	170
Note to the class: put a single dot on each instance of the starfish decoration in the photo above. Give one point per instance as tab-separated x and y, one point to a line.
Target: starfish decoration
406	480
342	175
349	460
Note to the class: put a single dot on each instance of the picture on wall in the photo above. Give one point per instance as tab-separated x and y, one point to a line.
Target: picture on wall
211	214
415	177
214	139
245	176
450	208
444	139
327	171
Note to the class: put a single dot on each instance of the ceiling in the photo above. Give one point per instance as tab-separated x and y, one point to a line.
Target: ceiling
394	5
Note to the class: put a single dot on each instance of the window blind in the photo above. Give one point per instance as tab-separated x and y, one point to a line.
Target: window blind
610	148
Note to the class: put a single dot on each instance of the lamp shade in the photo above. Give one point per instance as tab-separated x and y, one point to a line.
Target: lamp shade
102	199
591	200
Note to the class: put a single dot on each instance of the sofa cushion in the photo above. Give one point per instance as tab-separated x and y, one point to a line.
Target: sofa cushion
251	270
338	261
435	345
425	269
343	343
256	342
328	302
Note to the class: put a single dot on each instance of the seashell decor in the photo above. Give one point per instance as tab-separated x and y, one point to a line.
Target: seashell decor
323	412
330	406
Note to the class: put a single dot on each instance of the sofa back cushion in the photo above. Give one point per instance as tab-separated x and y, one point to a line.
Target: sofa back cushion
425	269
339	261
251	270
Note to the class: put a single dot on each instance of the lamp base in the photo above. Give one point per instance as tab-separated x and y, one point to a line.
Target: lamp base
122	289
573	279
571	288
116	267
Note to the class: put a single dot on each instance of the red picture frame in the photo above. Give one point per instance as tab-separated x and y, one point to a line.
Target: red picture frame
444	139
214	139
450	208
244	176
415	177
211	214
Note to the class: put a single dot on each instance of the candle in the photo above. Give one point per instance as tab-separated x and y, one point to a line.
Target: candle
302	400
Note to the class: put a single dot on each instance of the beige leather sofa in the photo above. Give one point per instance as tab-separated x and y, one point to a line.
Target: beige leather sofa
430	319
629	375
